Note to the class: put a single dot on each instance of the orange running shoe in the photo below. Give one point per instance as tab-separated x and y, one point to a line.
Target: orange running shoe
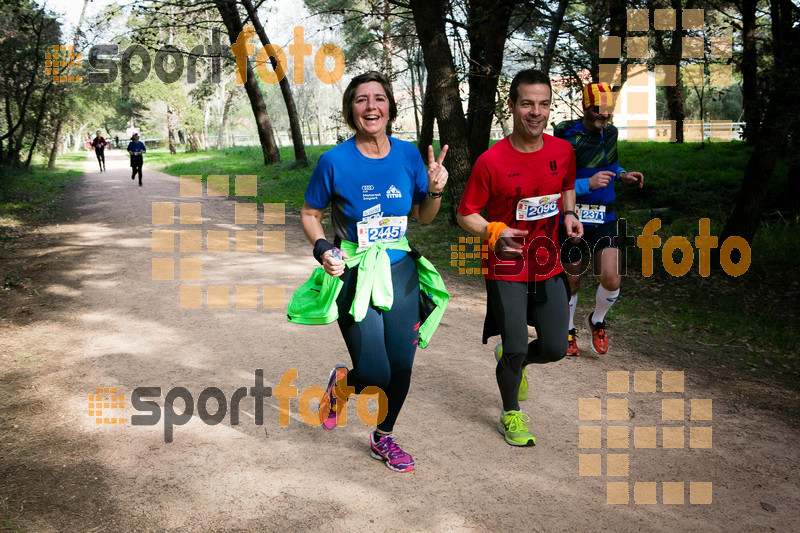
572	342
599	337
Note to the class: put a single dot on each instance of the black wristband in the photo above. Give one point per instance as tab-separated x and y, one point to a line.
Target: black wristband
571	213
435	195
320	247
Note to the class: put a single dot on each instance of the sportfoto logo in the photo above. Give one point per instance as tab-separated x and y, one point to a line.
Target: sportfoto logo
168	62
103	59
143	401
299	49
56	62
472	248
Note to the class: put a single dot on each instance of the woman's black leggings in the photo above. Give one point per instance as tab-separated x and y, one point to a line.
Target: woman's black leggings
383	344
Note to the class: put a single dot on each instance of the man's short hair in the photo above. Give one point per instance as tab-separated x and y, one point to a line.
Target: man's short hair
528	76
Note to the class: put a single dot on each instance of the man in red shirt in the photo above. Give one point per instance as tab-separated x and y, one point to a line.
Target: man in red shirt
524	181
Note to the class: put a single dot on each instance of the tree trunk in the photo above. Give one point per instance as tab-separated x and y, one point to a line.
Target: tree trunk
38	128
672	56
233	24
502	121
749	66
286	90
414	103
550	47
487	29
51	164
446	100
782	107
746	215
386	40
793	177
223	117
171	129
194	142
206	118
428	117
444	94
221	131
618	25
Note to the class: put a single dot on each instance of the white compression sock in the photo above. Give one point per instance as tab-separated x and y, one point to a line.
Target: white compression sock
573	303
603	300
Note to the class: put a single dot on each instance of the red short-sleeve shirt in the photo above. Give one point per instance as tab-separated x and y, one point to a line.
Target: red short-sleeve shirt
501	177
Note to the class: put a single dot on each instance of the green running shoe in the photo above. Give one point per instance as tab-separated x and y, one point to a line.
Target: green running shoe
522	395
512	426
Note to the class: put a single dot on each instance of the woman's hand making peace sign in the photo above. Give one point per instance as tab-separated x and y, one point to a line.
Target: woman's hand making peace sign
437	174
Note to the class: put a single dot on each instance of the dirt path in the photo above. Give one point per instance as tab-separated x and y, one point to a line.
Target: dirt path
100	320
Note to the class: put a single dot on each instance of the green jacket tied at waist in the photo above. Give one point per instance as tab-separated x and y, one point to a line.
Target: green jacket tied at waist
315	301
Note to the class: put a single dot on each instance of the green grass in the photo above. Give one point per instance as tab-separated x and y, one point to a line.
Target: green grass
284	182
35	196
749	314
28	198
691	181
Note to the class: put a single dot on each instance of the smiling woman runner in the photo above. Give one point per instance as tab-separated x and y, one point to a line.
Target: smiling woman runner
387	298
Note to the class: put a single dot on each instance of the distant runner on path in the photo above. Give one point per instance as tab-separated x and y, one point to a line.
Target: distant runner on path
99	144
136	148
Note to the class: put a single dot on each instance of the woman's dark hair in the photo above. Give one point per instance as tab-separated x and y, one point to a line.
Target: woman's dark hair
350	94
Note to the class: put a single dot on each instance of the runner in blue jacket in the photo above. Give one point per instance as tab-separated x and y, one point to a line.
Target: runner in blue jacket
595	142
